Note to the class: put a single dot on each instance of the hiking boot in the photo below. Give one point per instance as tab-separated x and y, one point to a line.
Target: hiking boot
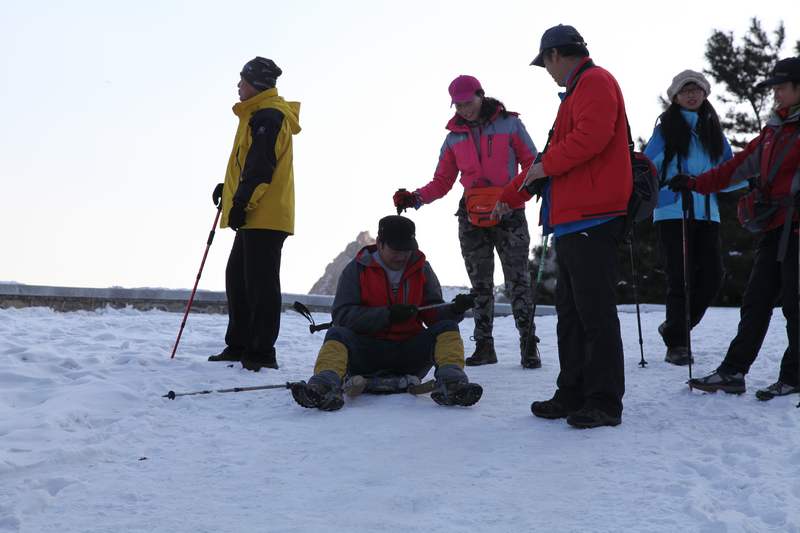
551	409
322	396
529	353
720	380
776	389
484	353
354	386
227	354
255	362
453	387
592	417
678	355
456	393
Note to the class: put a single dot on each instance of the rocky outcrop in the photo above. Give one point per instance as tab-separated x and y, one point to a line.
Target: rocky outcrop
327	283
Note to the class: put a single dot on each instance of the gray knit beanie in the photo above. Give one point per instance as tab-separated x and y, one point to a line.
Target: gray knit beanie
684	78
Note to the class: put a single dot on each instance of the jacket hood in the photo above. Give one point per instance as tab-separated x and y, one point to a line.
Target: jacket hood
270	99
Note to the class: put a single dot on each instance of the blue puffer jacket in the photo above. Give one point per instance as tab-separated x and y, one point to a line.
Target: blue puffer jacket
697	162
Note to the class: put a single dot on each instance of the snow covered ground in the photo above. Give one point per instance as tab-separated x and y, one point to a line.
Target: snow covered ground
89	444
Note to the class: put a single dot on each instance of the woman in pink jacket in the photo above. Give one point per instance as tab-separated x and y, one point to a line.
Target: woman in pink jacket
487	145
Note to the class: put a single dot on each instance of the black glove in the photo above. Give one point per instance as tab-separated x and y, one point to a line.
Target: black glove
681	182
464	302
236	216
402	312
216	196
536	187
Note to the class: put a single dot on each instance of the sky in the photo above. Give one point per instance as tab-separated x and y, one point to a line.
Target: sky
116	121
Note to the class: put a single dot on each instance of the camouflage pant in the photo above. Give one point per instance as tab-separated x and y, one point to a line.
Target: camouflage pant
512	241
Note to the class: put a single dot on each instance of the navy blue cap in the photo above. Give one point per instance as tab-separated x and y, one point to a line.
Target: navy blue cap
556	36
398	232
785	70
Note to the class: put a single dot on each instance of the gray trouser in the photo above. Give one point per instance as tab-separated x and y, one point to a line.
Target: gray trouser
512	241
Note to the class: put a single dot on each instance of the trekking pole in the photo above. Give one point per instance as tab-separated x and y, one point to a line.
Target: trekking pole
172	394
798	315
635	273
534	294
686	203
196	281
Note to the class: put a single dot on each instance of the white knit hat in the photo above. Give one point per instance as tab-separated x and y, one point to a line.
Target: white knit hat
684	78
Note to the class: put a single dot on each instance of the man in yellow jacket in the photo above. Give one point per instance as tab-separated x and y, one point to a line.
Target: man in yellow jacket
258	203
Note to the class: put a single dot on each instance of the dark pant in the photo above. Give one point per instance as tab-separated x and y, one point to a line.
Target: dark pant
253	287
589	343
369	356
771	282
705	274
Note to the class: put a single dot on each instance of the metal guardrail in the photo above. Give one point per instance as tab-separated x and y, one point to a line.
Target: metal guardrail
84	298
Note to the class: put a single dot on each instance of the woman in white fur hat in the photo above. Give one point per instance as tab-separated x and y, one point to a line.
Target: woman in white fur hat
687	139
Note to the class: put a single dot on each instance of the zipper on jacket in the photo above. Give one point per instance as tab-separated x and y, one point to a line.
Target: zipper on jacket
491	137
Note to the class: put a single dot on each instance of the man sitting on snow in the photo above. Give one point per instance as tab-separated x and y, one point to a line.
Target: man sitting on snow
378	342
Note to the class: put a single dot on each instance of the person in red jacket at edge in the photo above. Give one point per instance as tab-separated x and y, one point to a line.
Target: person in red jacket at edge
378	342
486	145
772	163
585	181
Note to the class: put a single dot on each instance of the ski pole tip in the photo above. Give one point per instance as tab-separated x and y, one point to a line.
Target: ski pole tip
170	395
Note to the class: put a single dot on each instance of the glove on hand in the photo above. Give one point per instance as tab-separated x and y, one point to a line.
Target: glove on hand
216	196
681	182
464	302
403	200
536	187
402	312
236	216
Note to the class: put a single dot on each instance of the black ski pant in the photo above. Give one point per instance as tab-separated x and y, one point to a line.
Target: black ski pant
371	356
705	274
253	288
771	282
589	342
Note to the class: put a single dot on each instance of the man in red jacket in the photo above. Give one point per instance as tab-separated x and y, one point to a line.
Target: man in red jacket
774	158
379	342
584	178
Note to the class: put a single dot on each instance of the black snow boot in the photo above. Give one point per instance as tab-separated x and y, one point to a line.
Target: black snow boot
678	355
529	352
323	391
453	387
591	417
484	353
257	361
550	409
228	354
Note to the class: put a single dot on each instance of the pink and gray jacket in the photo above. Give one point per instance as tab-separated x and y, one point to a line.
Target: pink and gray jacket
486	155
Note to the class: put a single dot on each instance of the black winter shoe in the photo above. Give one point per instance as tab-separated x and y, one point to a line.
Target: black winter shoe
720	380
484	353
227	355
529	353
457	393
550	409
678	355
256	362
776	389
591	417
317	396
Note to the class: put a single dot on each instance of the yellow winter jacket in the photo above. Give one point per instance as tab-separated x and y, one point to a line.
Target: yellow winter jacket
270	205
